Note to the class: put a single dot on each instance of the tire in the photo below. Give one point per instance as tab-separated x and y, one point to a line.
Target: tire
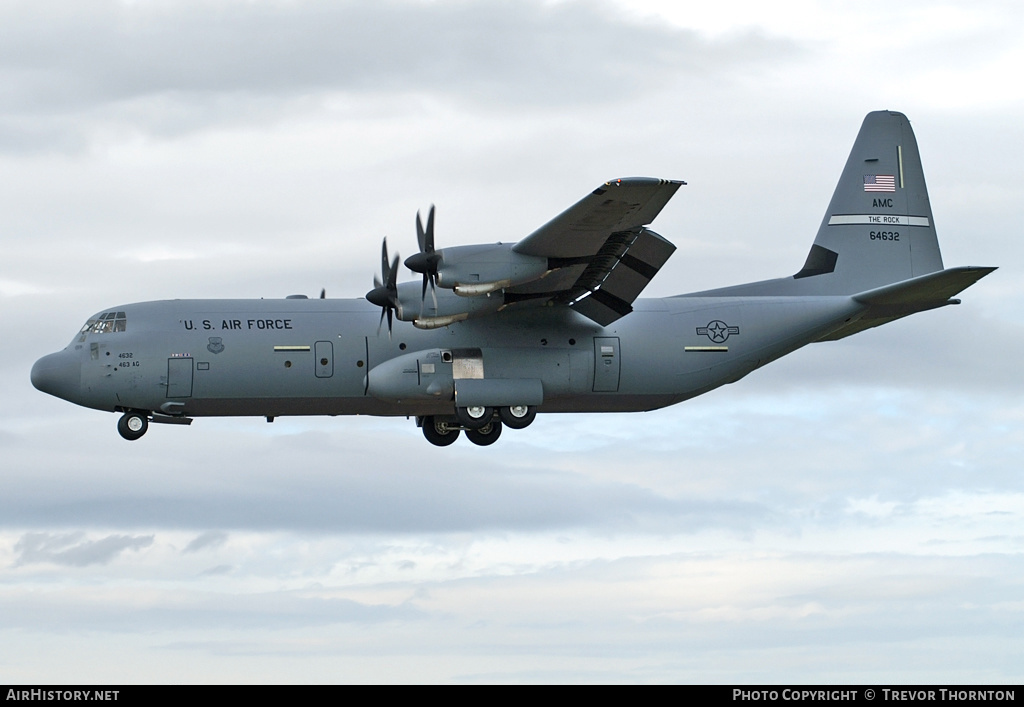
517	417
488	434
473	418
133	425
439	433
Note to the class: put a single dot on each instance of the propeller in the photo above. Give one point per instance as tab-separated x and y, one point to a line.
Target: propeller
385	294
428	259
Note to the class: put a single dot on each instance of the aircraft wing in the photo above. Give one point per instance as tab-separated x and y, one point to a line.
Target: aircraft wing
601	253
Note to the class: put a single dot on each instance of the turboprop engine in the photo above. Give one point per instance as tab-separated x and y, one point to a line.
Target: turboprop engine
477	273
441	310
407	302
471	270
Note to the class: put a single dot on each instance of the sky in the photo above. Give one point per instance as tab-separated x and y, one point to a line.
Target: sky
853	513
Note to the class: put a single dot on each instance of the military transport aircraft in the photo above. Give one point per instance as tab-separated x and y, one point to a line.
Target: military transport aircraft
551	323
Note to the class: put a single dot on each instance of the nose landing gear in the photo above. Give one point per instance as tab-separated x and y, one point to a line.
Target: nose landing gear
133	424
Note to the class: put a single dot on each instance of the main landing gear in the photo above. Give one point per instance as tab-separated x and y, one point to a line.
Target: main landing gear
482	424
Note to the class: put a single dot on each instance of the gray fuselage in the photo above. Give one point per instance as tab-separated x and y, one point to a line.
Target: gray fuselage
312	356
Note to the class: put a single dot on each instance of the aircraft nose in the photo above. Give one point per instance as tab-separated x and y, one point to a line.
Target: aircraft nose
59	374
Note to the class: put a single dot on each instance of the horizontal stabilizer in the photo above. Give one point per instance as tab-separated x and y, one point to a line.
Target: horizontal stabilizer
934	287
919	294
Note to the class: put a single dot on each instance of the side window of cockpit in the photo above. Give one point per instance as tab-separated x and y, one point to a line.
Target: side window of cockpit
107	323
86	330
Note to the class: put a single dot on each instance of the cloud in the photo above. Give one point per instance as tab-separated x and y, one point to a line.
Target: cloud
336	483
485	51
173	67
115	609
208	540
72	550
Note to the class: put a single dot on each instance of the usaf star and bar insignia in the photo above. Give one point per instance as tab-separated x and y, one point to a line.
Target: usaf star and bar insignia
718	332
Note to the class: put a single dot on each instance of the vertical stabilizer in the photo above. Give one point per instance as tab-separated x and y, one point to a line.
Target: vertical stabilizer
878	228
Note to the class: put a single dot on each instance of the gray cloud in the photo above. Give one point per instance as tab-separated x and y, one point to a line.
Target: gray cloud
217	571
68	75
208	540
278	610
300	482
74	551
505	51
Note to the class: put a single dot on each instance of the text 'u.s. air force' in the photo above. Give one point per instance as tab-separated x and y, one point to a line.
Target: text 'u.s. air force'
239	324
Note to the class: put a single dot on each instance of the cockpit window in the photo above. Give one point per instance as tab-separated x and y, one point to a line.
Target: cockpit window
107	323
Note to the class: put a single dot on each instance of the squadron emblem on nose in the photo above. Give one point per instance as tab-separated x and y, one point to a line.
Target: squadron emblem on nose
216	345
717	330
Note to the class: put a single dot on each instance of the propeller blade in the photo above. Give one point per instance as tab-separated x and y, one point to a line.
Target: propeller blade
384	260
385	288
423	297
428	246
392	275
427	260
425	237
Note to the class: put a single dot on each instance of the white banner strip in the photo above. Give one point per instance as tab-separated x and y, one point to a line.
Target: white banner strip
877	220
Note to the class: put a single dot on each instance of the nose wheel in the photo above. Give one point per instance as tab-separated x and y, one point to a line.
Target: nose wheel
133	424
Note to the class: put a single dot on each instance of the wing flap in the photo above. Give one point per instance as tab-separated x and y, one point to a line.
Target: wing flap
614	286
599	252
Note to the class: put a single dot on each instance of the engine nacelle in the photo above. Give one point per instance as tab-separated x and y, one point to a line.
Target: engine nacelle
413	307
481	269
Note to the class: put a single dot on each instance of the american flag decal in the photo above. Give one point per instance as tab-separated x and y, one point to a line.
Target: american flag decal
879	182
